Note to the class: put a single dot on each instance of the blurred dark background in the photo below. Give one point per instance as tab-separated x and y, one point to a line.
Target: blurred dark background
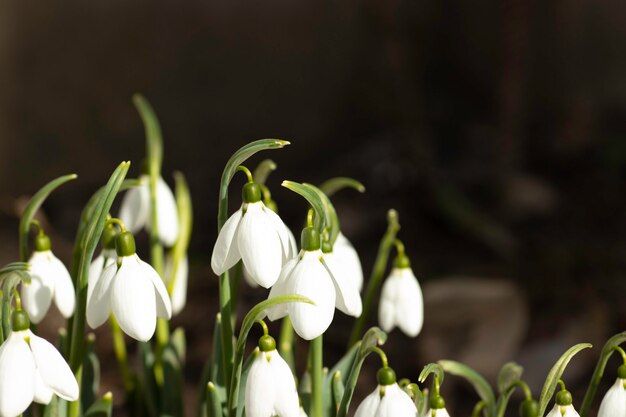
496	129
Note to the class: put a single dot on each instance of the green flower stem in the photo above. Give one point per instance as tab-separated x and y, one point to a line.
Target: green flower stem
285	344
478	408
117	222
331	186
238	158
528	395
607	351
185	223
86	242
621	352
317	377
381	354
119	346
376	278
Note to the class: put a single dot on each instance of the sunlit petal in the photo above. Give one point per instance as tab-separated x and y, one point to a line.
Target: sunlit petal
99	304
225	252
17	375
53	369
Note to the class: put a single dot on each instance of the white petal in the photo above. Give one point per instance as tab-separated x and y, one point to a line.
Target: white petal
310	279
369	406
43	393
260	389
387	304
99	304
442	412
249	280
225	252
280	288
286	403
135	206
614	401
410	304
64	296
163	303
17	375
36	298
396	403
179	291
555	412
350	258
167	214
53	369
106	258
259	245
287	240
570	412
133	300
348	297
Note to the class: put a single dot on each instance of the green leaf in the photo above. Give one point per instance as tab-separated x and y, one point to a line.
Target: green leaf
253	315
330	214
598	373
213	403
185	223
342	367
509	374
432	368
31	208
149	392
154	142
9	282
14	267
263	170
101	408
331	186
173	383
52	409
338	389
372	338
555	374
178	343
481	386
90	380
313	196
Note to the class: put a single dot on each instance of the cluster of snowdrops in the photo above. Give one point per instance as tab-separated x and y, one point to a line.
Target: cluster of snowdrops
305	287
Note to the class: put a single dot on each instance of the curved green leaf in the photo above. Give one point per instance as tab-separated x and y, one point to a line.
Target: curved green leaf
312	196
253	315
263	170
213	403
343	368
555	374
31	208
331	186
154	142
101	408
9	280
330	215
372	338
432	368
185	224
14	267
509	374
598	373
481	386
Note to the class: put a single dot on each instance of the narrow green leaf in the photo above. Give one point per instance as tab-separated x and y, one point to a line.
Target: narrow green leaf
432	368
213	403
373	337
555	374
101	408
330	214
14	267
173	383
154	142
149	387
185	224
253	315
90	381
52	409
31	208
263	170
509	374
312	196
179	343
338	389
481	386
342	367
331	186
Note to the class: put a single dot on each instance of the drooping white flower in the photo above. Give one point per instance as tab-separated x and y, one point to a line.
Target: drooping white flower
132	290
350	261
50	280
270	387
564	411
105	259
387	401
614	402
256	235
179	291
401	302
135	209
31	369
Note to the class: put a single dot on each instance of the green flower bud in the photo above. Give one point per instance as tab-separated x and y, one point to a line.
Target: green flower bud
125	244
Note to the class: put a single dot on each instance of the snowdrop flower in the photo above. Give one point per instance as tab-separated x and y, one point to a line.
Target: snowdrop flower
50	280
614	401
563	406
31	369
135	209
256	235
387	400
270	387
292	253
350	261
179	291
307	275
106	258
133	290
346	285
401	301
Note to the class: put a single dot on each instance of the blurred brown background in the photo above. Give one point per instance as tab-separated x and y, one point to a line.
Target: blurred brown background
496	129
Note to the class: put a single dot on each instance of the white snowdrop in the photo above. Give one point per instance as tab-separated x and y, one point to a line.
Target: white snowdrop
401	302
614	402
50	280
135	209
132	290
346	285
270	387
179	290
563	405
345	252
31	369
257	236
387	400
